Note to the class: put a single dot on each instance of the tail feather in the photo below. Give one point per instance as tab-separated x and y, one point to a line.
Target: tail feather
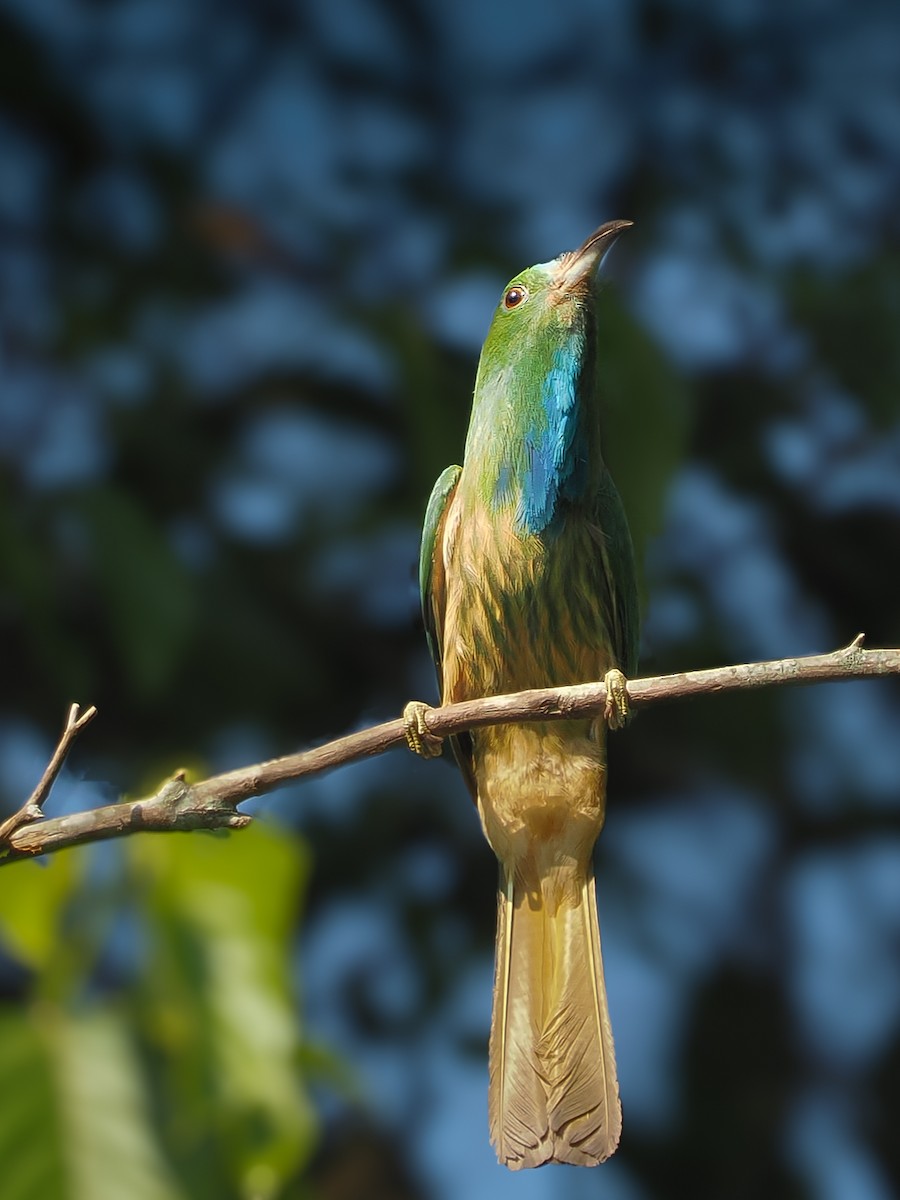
553	1093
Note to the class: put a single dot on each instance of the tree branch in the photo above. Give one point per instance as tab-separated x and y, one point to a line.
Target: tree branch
31	809
212	803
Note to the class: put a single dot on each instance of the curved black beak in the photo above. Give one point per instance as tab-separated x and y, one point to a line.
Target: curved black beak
575	266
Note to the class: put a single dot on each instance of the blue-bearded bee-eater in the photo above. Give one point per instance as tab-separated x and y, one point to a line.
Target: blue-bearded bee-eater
527	579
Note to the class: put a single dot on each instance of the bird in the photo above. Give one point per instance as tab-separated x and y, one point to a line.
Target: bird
527	580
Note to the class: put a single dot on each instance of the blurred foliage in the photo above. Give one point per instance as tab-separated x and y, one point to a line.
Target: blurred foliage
640	390
179	1076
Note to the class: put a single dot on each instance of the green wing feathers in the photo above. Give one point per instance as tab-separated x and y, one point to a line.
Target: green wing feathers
432	586
431	565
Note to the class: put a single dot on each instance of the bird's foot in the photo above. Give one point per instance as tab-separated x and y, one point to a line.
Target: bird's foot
616	711
418	736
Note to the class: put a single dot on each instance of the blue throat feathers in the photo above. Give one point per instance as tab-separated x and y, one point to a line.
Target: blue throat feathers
551	463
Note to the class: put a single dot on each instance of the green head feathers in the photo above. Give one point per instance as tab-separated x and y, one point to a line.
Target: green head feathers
529	438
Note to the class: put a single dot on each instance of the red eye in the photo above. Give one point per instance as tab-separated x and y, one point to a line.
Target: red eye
515	296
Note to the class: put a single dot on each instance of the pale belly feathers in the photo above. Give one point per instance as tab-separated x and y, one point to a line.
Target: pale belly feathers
523	613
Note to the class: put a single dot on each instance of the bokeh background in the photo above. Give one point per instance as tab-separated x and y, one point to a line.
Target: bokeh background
248	253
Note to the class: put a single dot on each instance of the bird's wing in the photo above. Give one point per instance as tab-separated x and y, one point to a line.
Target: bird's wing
432	587
431	563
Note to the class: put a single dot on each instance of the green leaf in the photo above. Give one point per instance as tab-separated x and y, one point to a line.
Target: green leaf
33	899
30	1147
646	418
225	1021
852	318
147	594
33	596
75	1123
105	1118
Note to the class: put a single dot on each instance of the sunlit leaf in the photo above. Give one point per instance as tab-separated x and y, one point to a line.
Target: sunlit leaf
32	904
75	1124
31	1150
110	1148
225	1018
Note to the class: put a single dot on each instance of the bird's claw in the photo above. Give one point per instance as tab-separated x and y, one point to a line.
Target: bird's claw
418	736
616	711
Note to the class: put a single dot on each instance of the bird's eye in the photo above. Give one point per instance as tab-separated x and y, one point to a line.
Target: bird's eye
515	296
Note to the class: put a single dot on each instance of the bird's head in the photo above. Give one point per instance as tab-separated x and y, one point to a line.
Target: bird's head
529	441
553	297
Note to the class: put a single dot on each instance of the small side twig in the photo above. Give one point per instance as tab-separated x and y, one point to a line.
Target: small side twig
212	803
32	809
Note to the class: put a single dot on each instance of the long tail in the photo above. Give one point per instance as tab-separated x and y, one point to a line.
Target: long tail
553	1094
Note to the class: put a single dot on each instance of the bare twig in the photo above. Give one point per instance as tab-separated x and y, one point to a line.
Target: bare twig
31	809
212	802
